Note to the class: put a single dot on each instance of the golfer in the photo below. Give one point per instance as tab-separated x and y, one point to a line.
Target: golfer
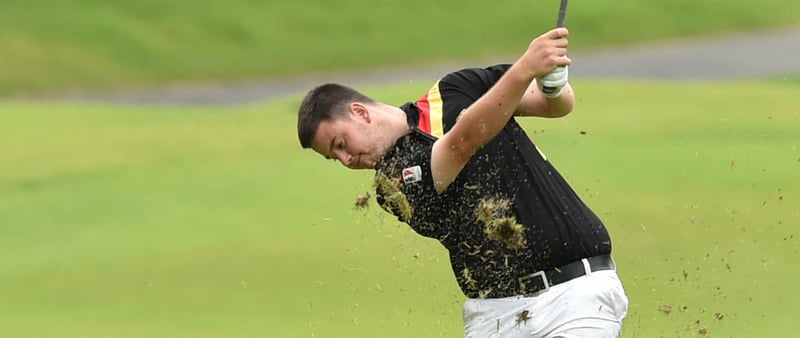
530	256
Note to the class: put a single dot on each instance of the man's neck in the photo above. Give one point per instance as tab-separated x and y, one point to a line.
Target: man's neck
397	121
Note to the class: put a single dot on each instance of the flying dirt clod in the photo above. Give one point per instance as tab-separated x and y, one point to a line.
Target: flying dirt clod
362	201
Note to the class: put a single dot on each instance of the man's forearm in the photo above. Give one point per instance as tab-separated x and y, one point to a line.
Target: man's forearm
561	105
534	103
487	116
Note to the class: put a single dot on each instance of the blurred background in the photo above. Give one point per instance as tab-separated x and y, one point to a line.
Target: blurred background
152	184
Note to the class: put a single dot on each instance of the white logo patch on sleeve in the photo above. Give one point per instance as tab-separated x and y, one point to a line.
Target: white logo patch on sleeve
412	174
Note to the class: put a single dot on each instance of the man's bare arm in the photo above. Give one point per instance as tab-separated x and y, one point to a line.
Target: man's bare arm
486	117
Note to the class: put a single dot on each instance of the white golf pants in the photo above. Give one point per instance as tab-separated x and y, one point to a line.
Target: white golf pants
593	305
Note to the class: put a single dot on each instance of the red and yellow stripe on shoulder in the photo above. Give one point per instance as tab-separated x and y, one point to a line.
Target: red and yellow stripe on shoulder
431	111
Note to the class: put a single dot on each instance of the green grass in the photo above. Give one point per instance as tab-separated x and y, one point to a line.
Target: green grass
134	222
89	44
788	78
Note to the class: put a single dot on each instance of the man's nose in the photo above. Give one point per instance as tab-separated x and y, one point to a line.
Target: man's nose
344	158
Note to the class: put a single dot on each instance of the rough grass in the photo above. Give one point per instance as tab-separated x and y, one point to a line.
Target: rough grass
131	222
89	44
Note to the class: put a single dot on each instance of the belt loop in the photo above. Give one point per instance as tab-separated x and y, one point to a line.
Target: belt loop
586	266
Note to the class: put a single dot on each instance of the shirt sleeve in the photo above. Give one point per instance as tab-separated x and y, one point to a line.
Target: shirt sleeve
439	108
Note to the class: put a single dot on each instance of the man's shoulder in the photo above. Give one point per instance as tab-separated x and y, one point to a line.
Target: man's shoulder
411	148
480	74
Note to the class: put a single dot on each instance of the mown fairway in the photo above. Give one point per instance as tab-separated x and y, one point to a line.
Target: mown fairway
89	44
142	222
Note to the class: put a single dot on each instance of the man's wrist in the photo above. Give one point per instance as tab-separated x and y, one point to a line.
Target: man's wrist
553	92
552	84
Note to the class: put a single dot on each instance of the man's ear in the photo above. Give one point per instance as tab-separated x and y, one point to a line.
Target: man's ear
359	111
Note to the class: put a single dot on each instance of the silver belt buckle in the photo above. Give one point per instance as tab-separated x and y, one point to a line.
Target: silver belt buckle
539	274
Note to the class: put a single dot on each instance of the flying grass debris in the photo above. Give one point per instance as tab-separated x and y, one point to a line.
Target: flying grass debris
392	196
508	231
467	275
488	209
491	212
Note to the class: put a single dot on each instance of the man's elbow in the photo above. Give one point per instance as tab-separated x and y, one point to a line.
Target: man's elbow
563	105
561	112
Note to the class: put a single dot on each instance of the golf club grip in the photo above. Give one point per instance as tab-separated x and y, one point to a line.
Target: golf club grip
562	15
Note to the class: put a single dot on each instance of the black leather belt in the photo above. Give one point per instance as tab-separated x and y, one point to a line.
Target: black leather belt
543	280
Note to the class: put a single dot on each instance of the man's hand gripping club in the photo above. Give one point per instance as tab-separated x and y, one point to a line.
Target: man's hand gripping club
553	83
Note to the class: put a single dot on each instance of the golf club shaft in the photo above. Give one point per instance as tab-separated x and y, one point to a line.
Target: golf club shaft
562	13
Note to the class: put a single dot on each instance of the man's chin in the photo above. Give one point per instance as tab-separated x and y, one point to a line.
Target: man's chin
365	163
364	166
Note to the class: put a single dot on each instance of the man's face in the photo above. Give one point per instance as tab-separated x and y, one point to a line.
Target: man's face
352	141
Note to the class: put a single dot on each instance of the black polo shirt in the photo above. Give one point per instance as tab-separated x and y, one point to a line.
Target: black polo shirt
508	181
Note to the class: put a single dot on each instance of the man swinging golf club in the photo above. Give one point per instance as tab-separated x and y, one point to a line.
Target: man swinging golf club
530	256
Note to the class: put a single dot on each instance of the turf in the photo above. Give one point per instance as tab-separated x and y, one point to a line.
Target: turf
131	222
89	44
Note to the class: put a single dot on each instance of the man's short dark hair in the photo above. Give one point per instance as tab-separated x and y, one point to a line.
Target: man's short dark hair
323	103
